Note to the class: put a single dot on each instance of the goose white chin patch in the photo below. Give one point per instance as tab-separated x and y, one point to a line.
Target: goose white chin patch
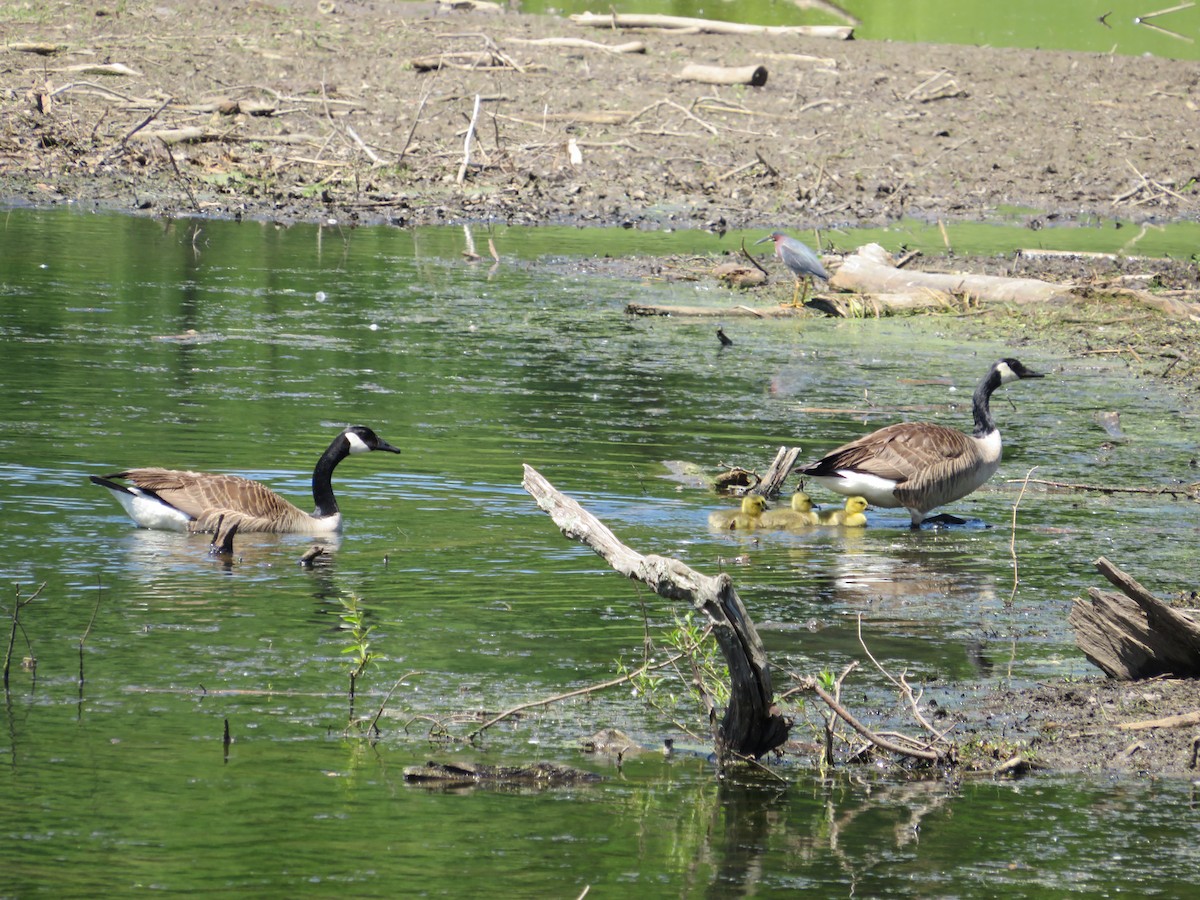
357	445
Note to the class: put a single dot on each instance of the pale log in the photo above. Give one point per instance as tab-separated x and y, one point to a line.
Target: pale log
755	76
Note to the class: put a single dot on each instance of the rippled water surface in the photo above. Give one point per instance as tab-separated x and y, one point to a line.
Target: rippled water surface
245	348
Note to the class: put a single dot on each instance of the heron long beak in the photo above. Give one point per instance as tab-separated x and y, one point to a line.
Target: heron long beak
764	240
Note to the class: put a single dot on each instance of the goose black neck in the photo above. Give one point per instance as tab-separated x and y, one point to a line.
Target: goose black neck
322	480
981	404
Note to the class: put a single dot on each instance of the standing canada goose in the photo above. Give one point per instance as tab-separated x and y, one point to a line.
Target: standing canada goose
918	465
747	517
175	500
853	515
800	515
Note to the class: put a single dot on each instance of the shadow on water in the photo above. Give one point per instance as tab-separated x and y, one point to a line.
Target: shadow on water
463	580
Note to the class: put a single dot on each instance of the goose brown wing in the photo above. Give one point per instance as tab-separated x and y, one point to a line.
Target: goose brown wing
204	497
899	453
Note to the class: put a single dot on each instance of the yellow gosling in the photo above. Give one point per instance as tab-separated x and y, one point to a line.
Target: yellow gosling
747	517
853	516
800	515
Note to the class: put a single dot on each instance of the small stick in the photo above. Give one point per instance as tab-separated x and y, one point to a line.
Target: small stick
416	120
363	146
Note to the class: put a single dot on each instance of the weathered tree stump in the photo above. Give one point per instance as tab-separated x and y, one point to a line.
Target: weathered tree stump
1133	634
781	467
752	725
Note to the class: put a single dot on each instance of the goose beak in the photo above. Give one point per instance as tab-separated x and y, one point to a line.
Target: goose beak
384	445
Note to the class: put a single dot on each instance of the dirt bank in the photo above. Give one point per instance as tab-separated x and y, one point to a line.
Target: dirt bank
300	110
304	111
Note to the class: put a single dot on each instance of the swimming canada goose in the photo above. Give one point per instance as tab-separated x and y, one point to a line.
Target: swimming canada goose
175	500
800	515
747	517
918	465
853	515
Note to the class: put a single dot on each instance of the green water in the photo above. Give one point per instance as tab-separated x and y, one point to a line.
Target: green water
121	782
1127	27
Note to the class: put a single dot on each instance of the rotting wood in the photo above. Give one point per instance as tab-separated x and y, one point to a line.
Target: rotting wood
752	725
755	76
709	26
1132	634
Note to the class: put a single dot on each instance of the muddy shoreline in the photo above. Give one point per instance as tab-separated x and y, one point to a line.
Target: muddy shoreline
294	112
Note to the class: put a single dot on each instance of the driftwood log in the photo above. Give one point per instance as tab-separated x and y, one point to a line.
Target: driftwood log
755	76
1132	634
752	725
870	270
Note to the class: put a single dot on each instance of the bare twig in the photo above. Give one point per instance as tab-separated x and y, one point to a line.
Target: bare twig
1012	546
580	692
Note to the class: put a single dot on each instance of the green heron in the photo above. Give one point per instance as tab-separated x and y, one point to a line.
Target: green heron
803	263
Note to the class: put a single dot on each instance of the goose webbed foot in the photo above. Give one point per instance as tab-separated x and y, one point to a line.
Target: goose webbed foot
939	521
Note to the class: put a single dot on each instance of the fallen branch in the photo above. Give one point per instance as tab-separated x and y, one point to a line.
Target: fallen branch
1180	721
709	26
752	725
927	753
581	44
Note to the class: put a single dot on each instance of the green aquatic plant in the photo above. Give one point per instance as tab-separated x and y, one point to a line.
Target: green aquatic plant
698	674
358	648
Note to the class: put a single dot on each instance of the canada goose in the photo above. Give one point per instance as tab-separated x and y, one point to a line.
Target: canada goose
799	515
853	515
174	500
918	465
740	519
